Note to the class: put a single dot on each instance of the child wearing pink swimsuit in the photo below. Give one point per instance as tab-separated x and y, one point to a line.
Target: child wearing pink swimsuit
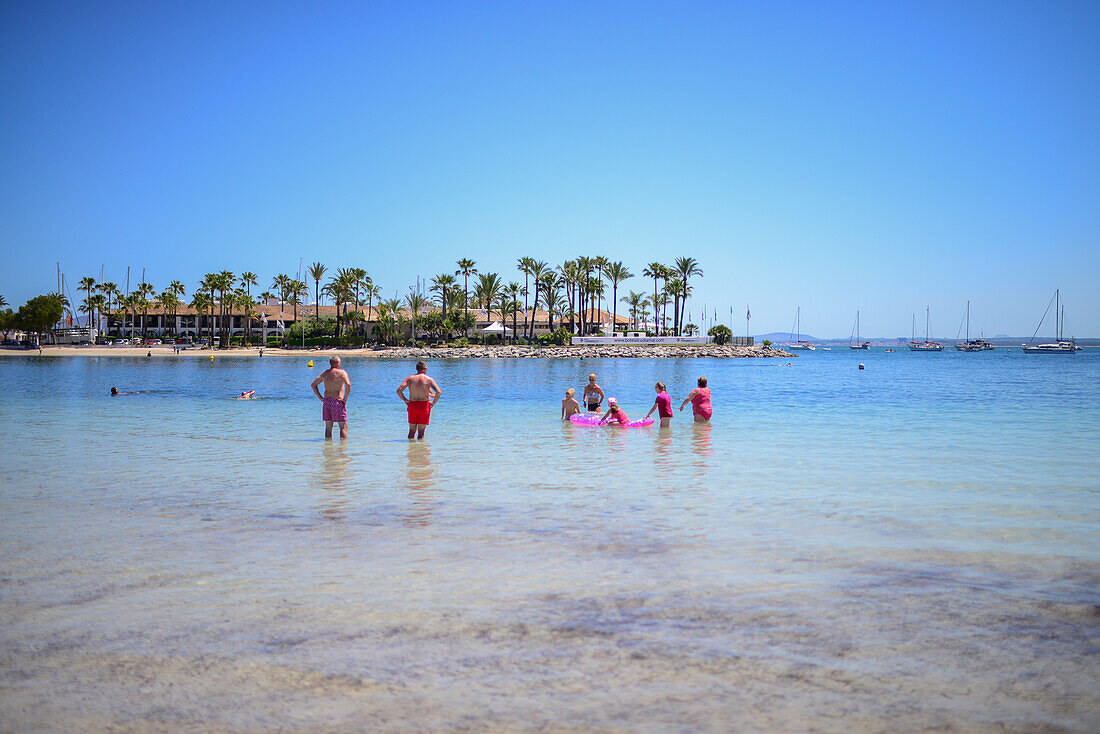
700	402
615	413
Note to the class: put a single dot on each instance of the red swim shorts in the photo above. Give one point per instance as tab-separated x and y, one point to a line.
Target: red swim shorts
335	411
420	412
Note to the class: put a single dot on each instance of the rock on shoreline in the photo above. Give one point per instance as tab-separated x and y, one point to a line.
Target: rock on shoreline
609	351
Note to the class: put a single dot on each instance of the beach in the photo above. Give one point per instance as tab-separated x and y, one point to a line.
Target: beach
907	547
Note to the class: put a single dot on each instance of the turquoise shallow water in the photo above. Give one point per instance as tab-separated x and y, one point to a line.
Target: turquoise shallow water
910	546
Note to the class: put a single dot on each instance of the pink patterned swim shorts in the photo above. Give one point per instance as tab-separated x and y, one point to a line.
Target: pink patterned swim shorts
335	411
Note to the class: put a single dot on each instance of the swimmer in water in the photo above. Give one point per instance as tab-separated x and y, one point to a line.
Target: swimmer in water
247	395
614	413
569	404
593	394
663	405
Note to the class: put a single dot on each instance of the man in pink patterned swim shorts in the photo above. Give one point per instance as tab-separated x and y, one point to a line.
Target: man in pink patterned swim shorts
335	399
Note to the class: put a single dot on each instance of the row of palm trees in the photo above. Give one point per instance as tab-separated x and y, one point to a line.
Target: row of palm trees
575	290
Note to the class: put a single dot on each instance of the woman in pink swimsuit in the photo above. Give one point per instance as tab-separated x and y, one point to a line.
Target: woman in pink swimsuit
700	402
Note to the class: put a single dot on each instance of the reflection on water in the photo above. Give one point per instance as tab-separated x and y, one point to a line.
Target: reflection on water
332	475
701	443
420	476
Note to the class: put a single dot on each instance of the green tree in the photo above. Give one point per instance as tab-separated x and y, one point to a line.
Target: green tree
512	290
657	271
616	273
87	283
317	271
466	268
686	267
39	314
442	284
636	302
720	333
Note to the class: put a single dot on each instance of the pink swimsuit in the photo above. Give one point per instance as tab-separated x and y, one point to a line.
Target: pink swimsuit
619	416
664	405
700	402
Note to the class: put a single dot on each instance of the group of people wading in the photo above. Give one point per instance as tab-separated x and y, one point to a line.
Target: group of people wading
424	393
593	397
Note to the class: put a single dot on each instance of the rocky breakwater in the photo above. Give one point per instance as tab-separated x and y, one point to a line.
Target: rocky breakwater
610	351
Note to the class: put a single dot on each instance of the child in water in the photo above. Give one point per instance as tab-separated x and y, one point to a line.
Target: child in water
569	404
614	413
663	405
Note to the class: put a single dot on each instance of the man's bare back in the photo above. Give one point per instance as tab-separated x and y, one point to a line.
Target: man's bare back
424	393
337	389
335	381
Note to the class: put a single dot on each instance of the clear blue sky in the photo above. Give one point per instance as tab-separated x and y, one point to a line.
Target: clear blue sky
871	155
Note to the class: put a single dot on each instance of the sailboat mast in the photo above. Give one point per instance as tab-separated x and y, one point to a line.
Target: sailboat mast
926	313
1057	323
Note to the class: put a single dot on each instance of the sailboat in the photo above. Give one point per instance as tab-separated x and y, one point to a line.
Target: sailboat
927	346
971	345
1062	345
793	342
856	343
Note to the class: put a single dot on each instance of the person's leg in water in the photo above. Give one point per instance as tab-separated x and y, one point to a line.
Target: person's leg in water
328	429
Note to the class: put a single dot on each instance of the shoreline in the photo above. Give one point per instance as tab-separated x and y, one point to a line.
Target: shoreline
609	351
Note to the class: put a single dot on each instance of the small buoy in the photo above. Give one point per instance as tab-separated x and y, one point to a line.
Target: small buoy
310	363
211	357
861	365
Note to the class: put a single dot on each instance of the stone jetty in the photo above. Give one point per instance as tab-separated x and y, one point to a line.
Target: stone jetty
610	351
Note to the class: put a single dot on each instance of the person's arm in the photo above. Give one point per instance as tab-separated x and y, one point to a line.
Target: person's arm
315	390
686	400
563	409
401	391
605	415
347	388
651	409
600	391
438	391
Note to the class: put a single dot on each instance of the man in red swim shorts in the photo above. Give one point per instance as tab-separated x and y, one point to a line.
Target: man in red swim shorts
424	393
335	399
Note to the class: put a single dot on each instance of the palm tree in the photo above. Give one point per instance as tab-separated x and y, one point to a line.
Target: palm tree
372	292
200	301
247	307
466	269
317	271
281	285
86	284
298	289
110	290
616	273
525	265
248	279
415	303
673	289
685	268
488	288
362	280
585	266
144	290
551	285
636	301
601	269
656	271
513	293
441	284
538	271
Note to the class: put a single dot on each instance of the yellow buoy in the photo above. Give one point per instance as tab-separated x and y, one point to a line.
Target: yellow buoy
211	357
310	363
